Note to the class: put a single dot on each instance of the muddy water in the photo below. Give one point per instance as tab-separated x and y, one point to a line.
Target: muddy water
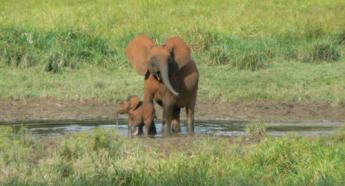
217	128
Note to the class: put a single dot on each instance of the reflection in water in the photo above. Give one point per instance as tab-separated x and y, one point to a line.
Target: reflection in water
217	128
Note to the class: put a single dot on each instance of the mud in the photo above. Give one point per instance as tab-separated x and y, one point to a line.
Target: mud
21	110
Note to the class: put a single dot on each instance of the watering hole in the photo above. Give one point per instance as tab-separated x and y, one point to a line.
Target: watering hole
214	128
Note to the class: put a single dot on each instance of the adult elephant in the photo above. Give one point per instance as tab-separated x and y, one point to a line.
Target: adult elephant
171	77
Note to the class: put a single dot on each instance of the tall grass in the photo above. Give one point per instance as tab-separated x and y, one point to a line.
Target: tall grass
247	35
56	49
104	158
59	49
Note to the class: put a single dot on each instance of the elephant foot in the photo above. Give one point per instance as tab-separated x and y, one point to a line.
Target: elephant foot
175	127
166	131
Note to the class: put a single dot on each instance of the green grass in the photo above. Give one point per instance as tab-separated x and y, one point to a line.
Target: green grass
246	50
110	18
104	158
87	82
281	81
246	35
60	49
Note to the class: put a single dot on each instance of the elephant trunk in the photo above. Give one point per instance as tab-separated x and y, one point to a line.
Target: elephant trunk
165	78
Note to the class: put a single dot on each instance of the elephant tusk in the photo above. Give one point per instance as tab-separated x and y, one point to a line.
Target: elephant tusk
164	74
157	77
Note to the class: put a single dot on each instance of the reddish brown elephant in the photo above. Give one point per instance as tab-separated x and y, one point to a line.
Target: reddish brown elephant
171	77
139	116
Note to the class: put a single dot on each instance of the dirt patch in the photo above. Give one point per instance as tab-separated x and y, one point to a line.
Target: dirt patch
53	109
272	111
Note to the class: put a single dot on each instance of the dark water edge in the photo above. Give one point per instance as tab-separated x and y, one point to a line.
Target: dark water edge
222	128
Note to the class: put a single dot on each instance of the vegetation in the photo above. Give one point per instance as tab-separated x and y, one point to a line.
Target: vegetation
291	50
246	35
281	81
245	50
104	158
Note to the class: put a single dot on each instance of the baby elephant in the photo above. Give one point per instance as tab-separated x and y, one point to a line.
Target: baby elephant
140	115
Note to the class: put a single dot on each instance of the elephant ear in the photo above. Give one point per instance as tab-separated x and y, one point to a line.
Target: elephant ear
137	51
180	51
134	102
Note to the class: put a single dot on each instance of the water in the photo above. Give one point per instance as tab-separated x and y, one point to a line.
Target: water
216	128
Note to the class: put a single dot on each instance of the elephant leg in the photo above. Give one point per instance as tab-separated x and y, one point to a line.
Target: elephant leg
150	129
130	124
190	119
167	118
140	129
147	130
175	123
153	130
148	118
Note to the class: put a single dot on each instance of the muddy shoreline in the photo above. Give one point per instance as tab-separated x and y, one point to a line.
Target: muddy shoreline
50	109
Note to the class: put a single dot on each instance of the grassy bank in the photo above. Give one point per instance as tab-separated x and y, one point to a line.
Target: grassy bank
253	50
103	157
281	81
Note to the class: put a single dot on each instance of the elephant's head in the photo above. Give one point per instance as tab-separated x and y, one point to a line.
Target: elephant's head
158	60
125	106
